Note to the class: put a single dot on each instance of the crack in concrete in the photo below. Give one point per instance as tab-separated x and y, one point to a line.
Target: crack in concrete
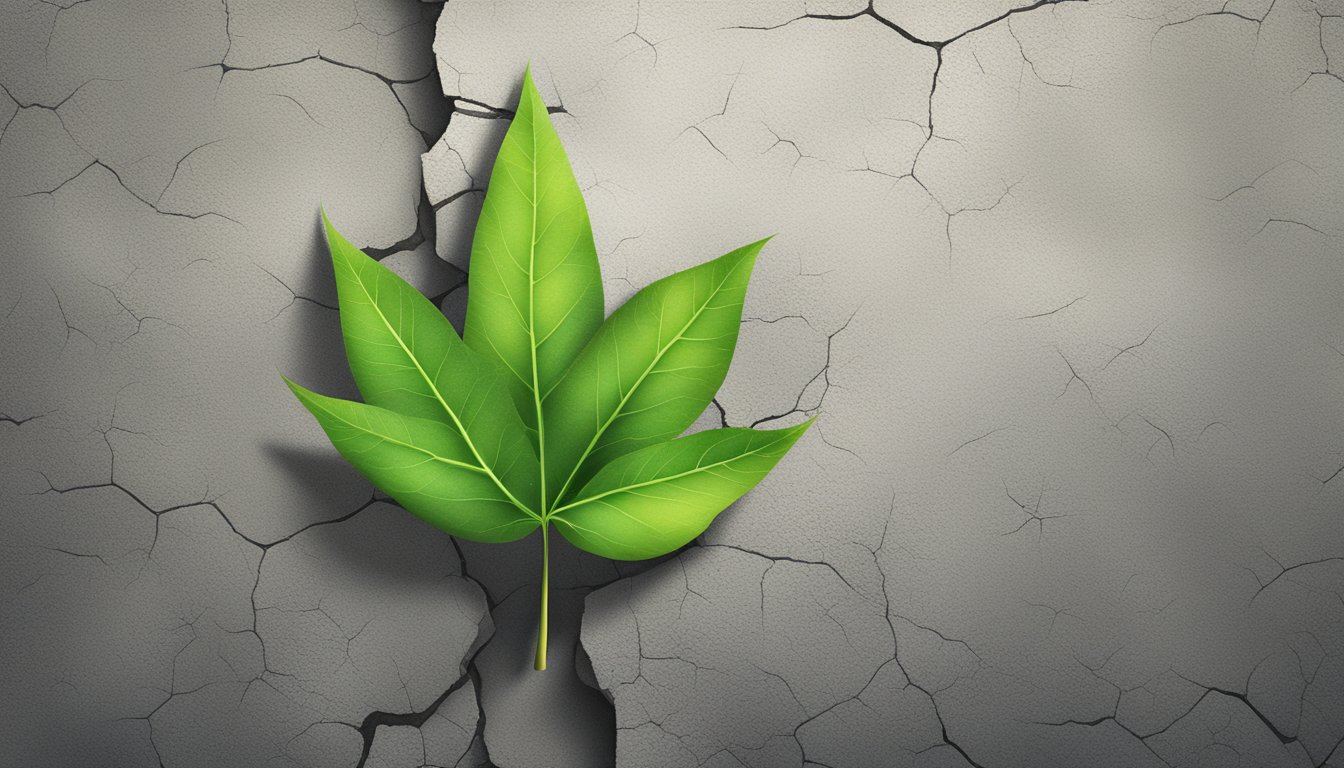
151	204
1031	512
1284	570
369	726
187	637
1054	311
936	45
823	375
1223	13
424	223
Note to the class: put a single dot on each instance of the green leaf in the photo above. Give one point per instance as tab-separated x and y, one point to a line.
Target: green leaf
543	412
652	501
425	465
535	292
649	372
405	356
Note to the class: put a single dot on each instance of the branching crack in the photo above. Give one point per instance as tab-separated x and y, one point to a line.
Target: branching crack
1284	570
152	204
823	375
936	45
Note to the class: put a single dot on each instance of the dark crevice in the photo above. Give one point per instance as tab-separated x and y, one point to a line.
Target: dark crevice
424	223
467	106
472	671
479	737
369	727
451	198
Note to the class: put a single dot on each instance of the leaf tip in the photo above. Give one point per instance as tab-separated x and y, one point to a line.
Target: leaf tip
302	393
797	430
294	386
329	228
343	252
529	94
759	245
745	256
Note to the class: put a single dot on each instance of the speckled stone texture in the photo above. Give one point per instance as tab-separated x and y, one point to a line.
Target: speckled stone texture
1063	282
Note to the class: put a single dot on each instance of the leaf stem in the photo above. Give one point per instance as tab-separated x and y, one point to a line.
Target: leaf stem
540	664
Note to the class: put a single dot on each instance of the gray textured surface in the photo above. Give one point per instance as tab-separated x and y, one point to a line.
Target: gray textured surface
1064	283
190	576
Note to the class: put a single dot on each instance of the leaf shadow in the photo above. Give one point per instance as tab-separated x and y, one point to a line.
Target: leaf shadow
315	349
321	473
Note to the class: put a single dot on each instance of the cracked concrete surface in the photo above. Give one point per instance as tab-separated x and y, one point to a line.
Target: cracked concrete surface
1061	279
190	577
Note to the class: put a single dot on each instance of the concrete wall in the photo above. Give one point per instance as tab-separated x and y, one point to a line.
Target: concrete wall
1063	282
